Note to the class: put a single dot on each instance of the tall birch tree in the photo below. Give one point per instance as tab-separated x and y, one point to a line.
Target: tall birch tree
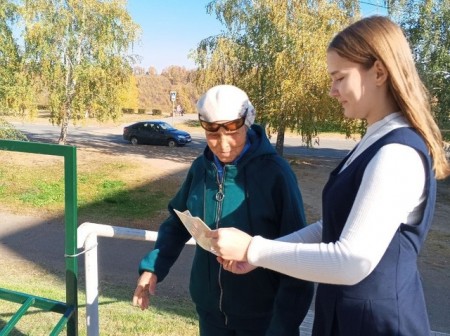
276	51
16	89
427	26
79	49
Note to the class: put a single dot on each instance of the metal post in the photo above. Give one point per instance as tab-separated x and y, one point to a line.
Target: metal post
70	310
173	112
173	98
70	178
91	268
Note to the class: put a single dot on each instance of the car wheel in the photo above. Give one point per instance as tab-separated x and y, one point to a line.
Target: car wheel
171	143
134	141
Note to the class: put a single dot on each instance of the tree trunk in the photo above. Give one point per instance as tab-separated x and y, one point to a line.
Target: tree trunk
66	119
64	126
70	83
67	116
279	146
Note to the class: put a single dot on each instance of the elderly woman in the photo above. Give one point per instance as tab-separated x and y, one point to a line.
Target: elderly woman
239	181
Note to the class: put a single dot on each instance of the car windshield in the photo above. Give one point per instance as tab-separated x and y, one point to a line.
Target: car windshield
166	126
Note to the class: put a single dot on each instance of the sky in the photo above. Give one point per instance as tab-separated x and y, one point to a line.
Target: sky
172	28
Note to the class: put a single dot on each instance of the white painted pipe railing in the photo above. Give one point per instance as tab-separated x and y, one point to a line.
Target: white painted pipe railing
87	239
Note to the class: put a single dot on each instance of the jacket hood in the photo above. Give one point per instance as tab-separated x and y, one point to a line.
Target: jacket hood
259	145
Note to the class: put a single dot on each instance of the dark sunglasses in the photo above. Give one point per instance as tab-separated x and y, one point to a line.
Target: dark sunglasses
232	125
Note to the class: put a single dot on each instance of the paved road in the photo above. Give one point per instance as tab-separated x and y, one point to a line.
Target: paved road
336	147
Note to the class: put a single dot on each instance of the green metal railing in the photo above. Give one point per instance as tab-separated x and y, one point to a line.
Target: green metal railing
69	309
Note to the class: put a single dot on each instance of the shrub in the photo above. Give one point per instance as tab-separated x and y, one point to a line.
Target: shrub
8	132
156	112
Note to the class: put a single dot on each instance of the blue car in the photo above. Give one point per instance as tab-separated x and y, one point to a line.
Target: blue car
155	133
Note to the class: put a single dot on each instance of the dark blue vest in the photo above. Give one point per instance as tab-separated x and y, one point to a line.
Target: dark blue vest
390	300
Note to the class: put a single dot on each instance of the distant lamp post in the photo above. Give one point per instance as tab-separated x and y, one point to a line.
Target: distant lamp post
173	98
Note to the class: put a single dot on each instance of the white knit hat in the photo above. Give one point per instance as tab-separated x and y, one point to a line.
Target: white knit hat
225	103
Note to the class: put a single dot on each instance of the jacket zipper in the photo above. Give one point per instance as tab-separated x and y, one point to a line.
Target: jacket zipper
219	198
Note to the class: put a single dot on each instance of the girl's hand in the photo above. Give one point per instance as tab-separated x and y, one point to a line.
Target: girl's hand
236	267
230	243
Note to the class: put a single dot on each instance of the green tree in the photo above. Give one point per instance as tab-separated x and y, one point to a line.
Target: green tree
176	74
79	49
129	94
9	57
427	26
275	50
16	92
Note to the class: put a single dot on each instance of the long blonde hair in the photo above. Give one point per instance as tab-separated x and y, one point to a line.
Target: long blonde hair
378	38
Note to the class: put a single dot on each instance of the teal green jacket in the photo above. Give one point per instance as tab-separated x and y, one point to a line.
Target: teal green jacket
261	197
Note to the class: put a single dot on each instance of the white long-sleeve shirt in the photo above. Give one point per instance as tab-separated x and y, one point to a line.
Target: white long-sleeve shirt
391	192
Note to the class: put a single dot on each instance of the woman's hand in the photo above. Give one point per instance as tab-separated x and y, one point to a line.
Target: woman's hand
230	243
237	267
146	286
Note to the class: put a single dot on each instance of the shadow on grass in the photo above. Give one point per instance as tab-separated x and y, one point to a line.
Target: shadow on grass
42	242
14	332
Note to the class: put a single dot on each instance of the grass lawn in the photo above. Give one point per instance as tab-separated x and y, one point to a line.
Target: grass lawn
116	314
